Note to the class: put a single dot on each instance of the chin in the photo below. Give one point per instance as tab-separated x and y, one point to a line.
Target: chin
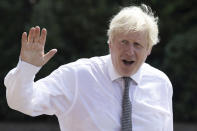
126	73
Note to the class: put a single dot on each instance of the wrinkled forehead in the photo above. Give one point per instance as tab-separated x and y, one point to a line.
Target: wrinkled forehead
139	36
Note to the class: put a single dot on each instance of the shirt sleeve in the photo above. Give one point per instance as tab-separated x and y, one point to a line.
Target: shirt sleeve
49	95
169	120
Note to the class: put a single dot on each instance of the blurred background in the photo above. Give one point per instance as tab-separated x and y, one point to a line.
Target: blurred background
77	28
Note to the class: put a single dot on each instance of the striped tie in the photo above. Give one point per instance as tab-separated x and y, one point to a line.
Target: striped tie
126	107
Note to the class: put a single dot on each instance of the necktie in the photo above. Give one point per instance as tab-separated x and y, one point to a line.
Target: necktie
126	107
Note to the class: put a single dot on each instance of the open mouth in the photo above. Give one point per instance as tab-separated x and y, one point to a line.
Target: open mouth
126	62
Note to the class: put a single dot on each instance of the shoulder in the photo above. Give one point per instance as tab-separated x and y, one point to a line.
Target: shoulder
93	61
82	68
96	62
154	74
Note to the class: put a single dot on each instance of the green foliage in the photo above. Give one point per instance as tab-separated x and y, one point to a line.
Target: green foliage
78	29
180	61
12	22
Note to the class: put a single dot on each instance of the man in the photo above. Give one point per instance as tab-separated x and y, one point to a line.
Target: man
108	93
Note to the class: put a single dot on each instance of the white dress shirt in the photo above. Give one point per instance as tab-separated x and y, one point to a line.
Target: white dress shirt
86	95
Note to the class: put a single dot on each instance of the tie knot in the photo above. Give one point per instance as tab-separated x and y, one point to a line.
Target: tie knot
126	81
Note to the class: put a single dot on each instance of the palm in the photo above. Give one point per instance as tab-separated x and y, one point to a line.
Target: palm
32	50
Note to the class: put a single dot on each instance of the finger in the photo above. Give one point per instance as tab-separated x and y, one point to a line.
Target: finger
24	38
31	35
43	36
37	34
49	55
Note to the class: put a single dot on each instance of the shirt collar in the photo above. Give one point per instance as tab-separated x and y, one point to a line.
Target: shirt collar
114	74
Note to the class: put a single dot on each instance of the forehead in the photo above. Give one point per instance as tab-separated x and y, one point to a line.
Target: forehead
137	36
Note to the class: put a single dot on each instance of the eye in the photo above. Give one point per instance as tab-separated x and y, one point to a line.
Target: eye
125	42
137	44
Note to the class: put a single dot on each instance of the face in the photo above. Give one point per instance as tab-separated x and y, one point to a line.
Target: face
128	52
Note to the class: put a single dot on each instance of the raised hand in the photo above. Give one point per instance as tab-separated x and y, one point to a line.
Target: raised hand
32	50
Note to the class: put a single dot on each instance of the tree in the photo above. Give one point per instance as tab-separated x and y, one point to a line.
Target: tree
180	62
13	18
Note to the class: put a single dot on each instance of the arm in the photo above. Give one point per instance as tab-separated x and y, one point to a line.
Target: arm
21	89
169	121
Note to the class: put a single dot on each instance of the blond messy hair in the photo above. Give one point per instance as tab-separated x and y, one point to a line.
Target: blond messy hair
135	18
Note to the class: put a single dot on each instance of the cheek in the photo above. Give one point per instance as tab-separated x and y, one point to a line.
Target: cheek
113	50
115	57
142	57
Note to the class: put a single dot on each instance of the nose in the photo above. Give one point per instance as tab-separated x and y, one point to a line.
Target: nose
130	50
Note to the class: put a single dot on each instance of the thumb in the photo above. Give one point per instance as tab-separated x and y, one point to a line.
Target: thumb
49	55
